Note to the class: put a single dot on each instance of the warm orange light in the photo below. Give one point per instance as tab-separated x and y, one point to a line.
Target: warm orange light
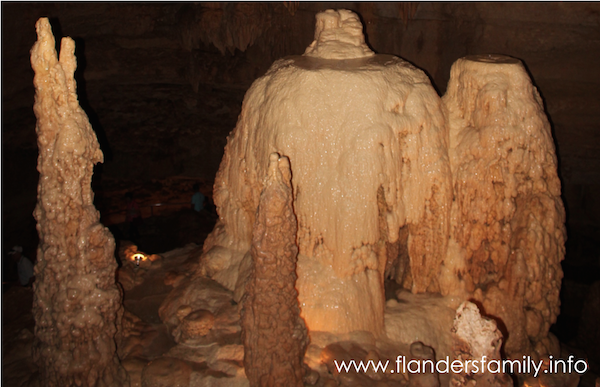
138	257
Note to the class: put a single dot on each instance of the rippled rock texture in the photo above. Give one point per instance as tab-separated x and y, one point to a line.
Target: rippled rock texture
274	335
77	305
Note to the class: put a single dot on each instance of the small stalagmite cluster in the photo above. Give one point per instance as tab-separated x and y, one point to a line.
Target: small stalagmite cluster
273	333
77	305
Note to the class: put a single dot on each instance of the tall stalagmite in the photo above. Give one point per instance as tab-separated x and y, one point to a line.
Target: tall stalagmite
77	303
508	233
274	335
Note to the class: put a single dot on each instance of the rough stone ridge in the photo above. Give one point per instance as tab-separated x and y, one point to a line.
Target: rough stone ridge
476	337
273	333
77	305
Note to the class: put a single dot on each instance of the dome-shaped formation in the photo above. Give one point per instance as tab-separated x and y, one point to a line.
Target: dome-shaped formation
367	146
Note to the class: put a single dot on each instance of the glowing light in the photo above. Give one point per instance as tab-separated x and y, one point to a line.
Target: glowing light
138	257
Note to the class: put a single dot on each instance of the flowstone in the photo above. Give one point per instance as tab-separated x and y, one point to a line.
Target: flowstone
454	198
367	144
508	230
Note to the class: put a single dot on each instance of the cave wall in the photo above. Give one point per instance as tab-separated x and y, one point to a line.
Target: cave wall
163	83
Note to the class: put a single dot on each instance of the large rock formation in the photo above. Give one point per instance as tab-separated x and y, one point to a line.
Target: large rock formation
77	305
508	219
458	196
367	144
274	335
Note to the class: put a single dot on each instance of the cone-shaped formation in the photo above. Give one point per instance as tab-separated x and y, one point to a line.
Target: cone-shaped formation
274	335
508	219
77	303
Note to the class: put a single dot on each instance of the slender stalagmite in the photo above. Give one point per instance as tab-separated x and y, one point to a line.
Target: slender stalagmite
274	335
77	303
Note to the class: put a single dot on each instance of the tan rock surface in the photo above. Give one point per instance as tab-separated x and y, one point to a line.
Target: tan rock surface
77	305
199	293
367	144
508	218
197	323
166	372
274	335
338	35
476	338
421	318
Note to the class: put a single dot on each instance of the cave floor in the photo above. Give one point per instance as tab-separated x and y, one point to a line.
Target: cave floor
148	349
145	337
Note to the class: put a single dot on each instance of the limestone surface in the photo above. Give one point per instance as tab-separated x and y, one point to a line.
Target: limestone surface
430	378
338	35
77	305
508	233
421	318
367	145
273	333
476	338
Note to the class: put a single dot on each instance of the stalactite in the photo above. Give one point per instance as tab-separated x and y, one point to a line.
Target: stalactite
228	26
407	11
292	6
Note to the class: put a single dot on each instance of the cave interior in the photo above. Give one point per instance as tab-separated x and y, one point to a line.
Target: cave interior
163	84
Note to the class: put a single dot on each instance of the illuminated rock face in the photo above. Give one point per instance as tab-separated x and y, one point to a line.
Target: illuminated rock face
508	218
338	35
77	304
457	196
367	145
